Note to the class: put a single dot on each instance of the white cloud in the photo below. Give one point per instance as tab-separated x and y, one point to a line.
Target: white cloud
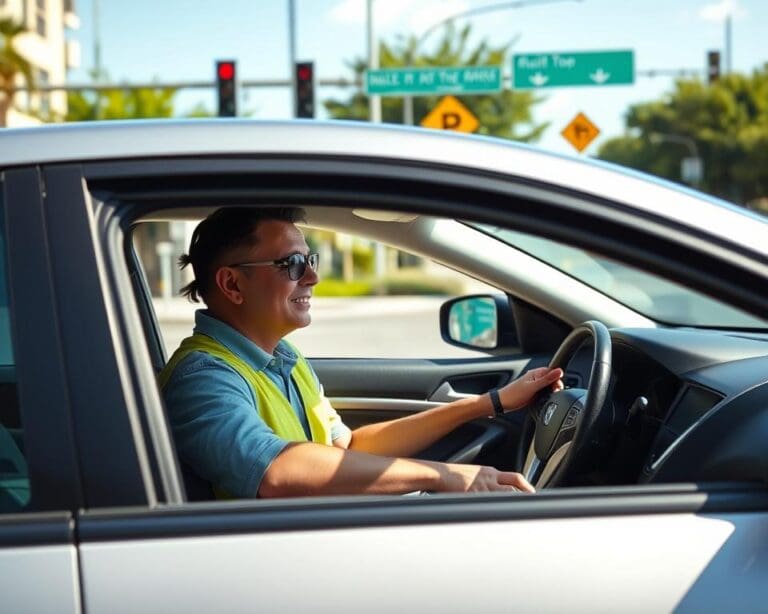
718	11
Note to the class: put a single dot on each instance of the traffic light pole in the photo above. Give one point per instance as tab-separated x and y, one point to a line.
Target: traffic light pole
333	82
292	50
374	102
280	83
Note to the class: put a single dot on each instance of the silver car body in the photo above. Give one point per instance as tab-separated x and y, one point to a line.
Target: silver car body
578	560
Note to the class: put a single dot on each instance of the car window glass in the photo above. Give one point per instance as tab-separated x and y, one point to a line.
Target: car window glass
361	283
14	480
646	293
363	307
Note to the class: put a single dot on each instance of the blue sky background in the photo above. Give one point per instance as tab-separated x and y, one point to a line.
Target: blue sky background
171	41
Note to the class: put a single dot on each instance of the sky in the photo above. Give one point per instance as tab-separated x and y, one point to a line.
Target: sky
179	41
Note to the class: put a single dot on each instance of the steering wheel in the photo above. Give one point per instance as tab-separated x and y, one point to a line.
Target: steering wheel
560	424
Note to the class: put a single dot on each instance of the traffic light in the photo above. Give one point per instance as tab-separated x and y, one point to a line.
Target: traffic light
226	87
304	79
713	66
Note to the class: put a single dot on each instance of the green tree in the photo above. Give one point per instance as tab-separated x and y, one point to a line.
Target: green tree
505	114
199	111
12	64
727	121
90	105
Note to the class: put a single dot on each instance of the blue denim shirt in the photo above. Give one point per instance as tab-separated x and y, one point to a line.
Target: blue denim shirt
213	411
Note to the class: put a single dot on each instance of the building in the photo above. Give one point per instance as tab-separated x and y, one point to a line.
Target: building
51	52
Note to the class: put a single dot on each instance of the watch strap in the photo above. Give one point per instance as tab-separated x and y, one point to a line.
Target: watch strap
498	409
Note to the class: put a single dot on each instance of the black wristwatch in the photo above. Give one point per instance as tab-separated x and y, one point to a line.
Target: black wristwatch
498	410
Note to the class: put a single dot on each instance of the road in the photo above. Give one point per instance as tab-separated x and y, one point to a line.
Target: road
381	327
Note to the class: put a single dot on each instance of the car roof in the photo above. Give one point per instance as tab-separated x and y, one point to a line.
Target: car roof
94	141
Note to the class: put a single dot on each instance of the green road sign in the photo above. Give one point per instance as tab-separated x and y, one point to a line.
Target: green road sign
426	81
563	68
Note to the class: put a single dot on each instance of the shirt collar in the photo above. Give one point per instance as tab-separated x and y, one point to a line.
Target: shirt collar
239	344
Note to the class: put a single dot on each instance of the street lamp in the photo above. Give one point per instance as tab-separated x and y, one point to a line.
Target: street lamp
501	6
691	167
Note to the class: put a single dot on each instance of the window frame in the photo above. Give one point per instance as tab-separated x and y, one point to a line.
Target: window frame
131	190
118	464
49	442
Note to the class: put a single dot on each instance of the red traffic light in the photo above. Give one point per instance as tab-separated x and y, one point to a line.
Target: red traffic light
304	89
226	87
304	73
226	70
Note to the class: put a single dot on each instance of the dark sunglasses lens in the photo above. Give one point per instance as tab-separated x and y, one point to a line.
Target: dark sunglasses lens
296	266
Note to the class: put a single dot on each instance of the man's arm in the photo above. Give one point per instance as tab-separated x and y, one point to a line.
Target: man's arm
304	469
372	465
409	435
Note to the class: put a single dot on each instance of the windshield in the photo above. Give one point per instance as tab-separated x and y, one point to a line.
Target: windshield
652	296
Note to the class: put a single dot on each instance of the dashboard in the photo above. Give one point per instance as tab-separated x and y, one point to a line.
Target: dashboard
683	405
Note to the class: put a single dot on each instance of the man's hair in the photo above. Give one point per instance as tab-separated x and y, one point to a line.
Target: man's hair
222	231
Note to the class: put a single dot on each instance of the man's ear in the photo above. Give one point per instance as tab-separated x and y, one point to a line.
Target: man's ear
228	282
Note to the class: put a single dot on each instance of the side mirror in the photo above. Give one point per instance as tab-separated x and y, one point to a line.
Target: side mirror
479	322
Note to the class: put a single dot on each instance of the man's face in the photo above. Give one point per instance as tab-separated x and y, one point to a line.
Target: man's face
274	304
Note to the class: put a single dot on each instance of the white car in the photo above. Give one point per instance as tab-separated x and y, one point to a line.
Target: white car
651	466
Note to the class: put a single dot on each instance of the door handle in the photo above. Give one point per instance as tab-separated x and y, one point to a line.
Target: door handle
445	394
463	386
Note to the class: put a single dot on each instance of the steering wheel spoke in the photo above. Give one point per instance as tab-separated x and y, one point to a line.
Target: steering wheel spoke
533	465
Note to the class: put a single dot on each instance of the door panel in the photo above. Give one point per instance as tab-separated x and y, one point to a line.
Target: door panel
40	579
241	557
38	563
208	574
375	390
415	379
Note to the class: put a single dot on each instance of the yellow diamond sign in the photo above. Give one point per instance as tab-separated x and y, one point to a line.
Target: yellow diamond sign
580	132
451	114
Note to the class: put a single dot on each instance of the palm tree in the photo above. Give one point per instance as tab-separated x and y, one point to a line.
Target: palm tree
12	64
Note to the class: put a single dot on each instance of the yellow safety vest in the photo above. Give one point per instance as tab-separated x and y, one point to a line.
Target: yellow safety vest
273	406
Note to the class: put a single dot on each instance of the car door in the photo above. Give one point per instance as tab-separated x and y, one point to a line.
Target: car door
560	550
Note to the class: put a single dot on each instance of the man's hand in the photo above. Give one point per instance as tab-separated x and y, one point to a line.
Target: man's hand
519	393
474	478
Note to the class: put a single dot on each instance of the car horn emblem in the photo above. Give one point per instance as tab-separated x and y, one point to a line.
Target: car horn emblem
549	411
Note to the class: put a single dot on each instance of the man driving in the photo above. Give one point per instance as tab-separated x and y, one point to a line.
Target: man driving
246	409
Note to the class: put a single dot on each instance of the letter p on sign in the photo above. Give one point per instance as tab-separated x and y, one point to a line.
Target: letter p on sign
451	114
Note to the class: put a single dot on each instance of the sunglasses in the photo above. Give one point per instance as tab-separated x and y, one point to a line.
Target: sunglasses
295	264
